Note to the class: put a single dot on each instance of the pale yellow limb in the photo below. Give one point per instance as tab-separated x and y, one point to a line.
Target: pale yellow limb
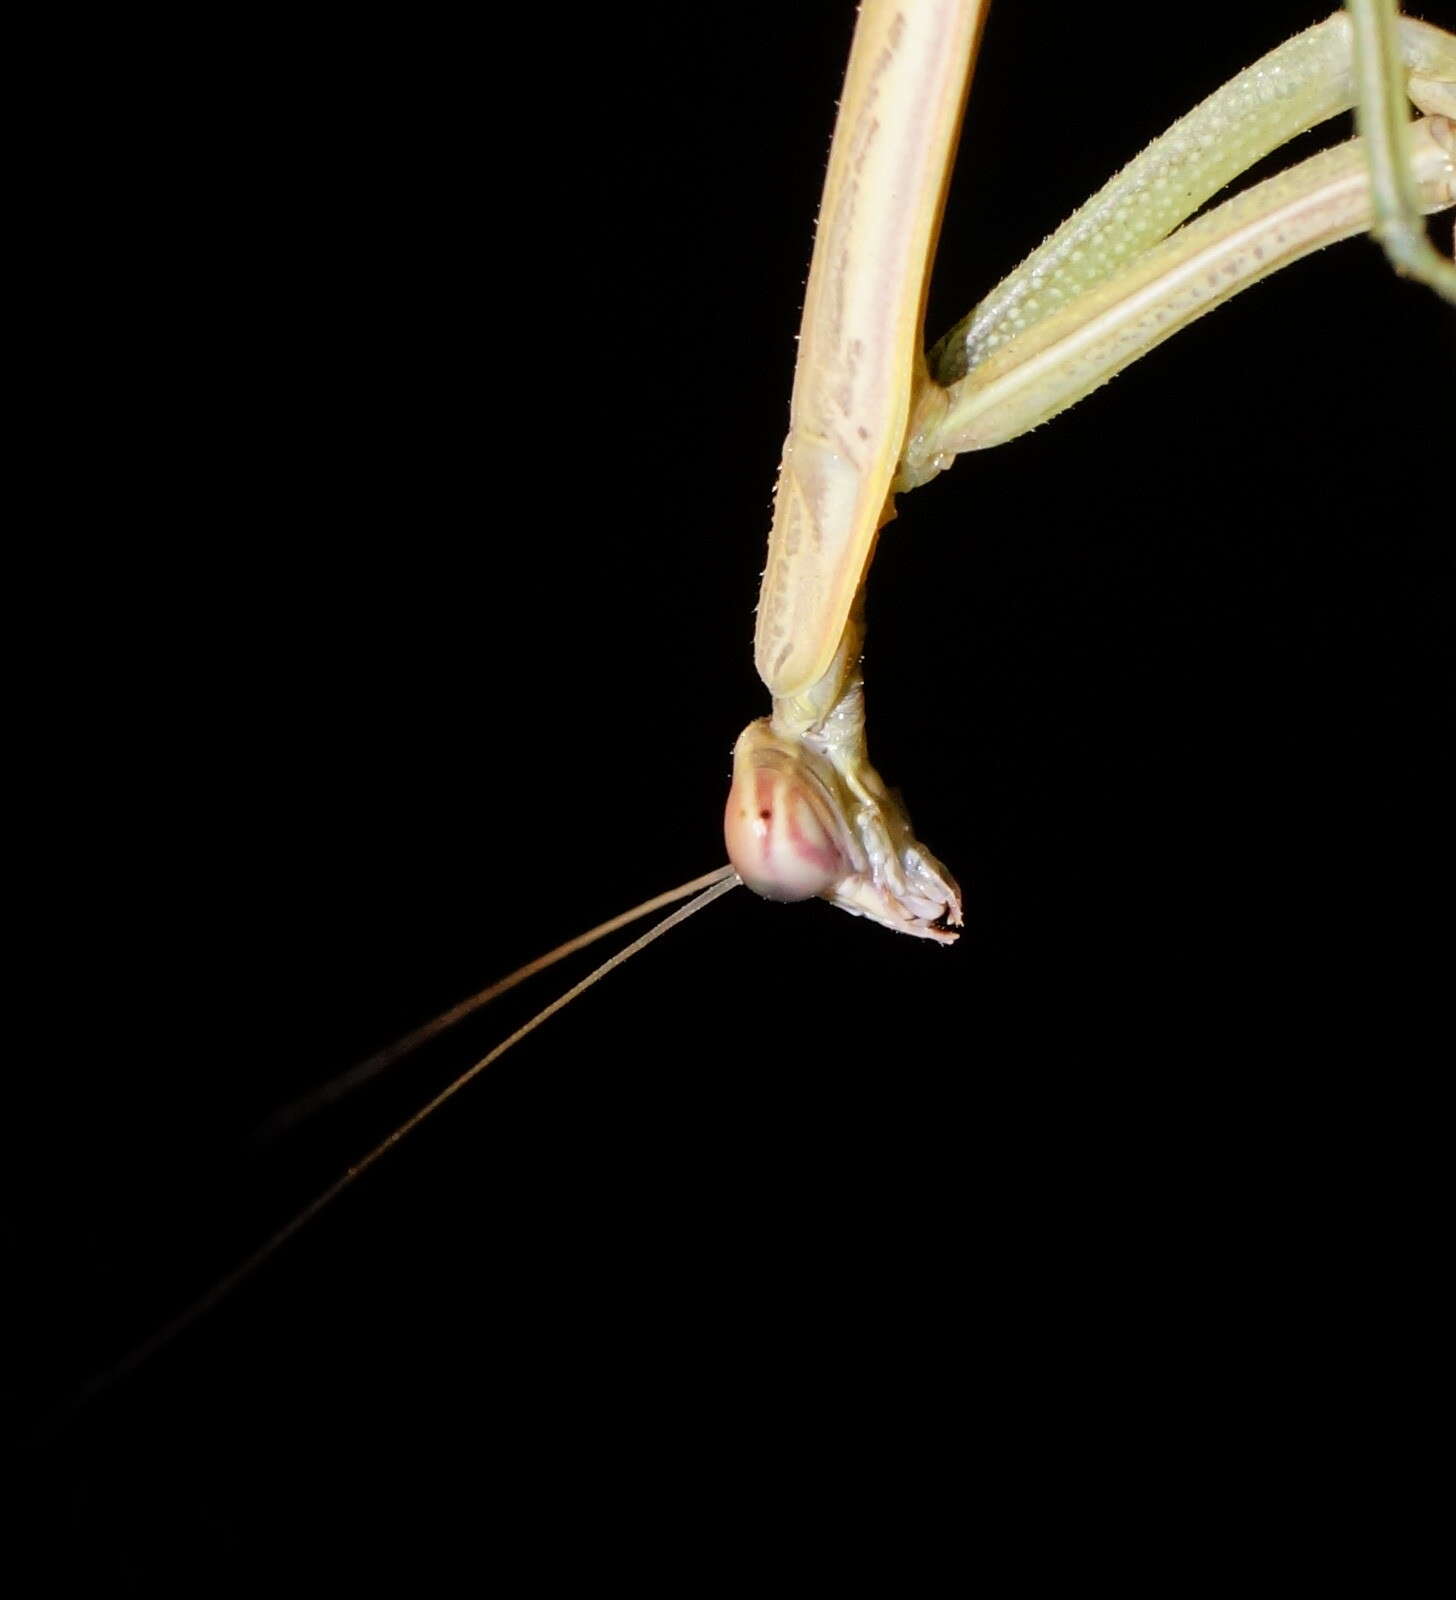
1068	354
862	330
1302	83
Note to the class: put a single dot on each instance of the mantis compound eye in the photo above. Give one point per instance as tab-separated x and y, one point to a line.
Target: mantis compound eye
779	833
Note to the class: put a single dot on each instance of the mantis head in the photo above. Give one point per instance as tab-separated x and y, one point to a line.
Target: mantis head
797	827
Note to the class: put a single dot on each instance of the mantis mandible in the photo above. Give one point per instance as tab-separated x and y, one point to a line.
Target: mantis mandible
1213	430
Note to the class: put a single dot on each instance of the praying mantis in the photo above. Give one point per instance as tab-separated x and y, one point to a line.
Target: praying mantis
1155	726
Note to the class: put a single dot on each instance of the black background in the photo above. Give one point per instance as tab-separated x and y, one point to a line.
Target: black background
440	382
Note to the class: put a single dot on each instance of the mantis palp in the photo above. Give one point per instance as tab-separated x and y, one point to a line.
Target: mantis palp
1119	791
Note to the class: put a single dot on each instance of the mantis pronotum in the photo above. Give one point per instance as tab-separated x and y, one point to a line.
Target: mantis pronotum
1188	741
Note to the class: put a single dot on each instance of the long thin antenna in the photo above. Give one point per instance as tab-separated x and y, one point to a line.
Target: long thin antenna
720	882
288	1117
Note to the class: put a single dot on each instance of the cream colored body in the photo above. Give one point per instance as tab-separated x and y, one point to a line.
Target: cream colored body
808	814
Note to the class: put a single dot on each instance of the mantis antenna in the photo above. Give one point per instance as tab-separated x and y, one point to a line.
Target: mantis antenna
300	1110
718	884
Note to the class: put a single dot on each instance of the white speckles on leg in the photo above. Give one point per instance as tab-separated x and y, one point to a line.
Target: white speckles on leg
1291	89
1064	357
